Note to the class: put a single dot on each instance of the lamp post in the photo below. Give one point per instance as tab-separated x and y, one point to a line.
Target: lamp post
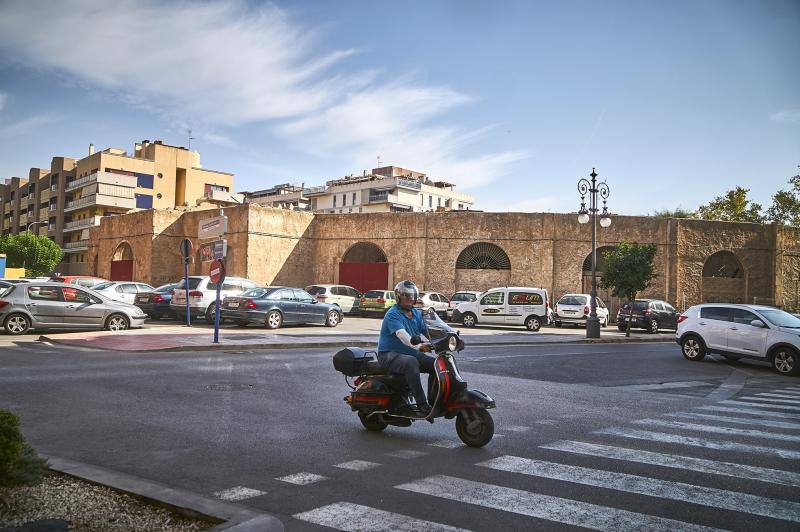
593	189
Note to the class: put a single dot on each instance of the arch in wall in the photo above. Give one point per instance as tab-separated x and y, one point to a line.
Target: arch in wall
724	279
122	263
611	302
364	267
482	265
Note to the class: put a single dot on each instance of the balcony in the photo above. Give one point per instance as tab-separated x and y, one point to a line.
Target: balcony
383	197
409	184
101	177
101	200
77	225
74	247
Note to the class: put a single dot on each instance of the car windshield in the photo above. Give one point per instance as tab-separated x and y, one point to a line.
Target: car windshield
102	286
464	297
194	282
374	294
165	288
572	300
779	318
637	305
258	293
315	290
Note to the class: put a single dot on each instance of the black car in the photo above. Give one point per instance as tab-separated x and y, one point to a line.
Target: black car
274	306
648	314
156	303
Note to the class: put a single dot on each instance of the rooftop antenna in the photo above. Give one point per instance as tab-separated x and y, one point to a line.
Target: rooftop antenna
191	138
379	161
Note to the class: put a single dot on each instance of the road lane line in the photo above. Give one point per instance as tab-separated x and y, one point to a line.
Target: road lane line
238	493
356	518
699	442
651	487
357	465
406	454
548	507
781	395
675	461
754	411
771	400
760	405
301	479
447	444
739	420
719	430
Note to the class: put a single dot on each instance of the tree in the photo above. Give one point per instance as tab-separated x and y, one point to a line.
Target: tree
734	206
785	208
678	212
37	254
628	270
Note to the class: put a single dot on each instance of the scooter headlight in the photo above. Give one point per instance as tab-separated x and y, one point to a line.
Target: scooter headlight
452	343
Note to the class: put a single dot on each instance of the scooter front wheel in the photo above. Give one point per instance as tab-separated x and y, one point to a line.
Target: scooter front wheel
374	423
475	426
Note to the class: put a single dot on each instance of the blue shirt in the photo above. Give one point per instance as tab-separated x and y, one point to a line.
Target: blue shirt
396	320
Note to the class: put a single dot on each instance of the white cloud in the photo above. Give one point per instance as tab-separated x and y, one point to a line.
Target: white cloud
791	116
26	125
3	100
218	140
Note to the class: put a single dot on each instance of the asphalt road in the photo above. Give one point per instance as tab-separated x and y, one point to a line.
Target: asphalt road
609	436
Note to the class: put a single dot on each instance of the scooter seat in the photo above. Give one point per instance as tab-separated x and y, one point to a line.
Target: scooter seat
374	368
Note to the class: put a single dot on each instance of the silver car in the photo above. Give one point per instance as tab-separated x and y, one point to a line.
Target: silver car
46	305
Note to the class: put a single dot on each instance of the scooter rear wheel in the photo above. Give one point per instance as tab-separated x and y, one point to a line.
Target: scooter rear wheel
374	423
475	426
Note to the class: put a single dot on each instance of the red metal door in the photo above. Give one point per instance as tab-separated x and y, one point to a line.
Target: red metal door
122	270
364	276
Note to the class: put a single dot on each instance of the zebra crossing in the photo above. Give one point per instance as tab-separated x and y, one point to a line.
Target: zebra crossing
730	484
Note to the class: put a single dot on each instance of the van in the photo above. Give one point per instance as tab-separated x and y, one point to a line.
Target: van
506	306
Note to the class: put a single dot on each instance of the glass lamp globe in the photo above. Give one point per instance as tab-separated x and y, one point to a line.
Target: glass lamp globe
583	217
605	221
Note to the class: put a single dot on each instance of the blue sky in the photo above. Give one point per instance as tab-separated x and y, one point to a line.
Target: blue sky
673	102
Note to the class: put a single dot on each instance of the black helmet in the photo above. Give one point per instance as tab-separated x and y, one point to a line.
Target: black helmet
408	289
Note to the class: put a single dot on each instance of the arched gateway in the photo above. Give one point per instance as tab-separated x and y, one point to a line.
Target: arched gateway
724	279
364	267
122	263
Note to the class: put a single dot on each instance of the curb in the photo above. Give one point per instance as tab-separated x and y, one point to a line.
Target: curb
228	516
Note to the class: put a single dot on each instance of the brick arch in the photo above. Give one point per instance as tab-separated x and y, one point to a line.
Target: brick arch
723	279
364	252
364	266
481	266
122	262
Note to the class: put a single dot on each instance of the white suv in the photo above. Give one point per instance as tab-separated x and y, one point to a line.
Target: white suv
741	331
506	306
575	309
203	294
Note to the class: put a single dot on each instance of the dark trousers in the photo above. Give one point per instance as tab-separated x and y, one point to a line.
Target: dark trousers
410	366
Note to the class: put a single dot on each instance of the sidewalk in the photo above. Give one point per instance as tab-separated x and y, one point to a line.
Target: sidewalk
355	332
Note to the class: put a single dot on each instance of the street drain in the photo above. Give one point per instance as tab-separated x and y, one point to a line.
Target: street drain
229	387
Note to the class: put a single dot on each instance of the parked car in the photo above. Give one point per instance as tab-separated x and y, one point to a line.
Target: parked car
376	302
461	297
346	297
575	309
433	300
124	291
156	303
648	314
753	332
278	305
203	294
506	306
38	305
87	281
5	285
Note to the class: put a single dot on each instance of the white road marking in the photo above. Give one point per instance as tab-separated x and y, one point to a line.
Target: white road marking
699	442
447	444
406	454
739	420
664	385
662	489
754	411
675	461
760	405
356	518
516	428
357	465
548	507
719	430
780	395
771	400
301	479
238	493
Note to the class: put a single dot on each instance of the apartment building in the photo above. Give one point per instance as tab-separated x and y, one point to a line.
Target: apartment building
69	198
385	189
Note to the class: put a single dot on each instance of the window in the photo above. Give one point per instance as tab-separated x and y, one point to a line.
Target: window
302	296
430	202
434	297
144	201
144	180
669	308
231	284
283	295
211	187
439	201
127	288
743	316
73	295
43	293
247	285
344	200
354	199
464	297
658	306
716	313
315	290
574	300
495	298
443	299
141	287
525	298
334	201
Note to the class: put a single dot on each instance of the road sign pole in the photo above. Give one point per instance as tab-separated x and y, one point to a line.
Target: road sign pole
216	316
186	286
217	275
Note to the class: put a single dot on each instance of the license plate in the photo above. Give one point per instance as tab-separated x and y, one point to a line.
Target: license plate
142	300
233	304
570	311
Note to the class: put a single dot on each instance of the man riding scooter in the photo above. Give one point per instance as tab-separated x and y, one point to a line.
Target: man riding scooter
397	353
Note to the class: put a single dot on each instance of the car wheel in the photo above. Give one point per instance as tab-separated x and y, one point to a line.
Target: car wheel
558	324
785	361
117	322
533	323
693	348
155	317
333	319
653	327
210	311
17	324
274	320
604	323
468	319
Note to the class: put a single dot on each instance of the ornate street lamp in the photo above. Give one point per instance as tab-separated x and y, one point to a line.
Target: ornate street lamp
593	189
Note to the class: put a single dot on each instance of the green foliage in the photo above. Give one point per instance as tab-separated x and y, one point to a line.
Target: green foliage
37	254
678	212
734	206
628	270
19	463
785	208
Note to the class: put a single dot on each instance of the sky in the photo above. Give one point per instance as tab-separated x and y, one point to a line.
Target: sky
513	101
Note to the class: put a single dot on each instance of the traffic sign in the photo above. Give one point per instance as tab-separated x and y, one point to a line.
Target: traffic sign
186	248
218	249
217	272
212	227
